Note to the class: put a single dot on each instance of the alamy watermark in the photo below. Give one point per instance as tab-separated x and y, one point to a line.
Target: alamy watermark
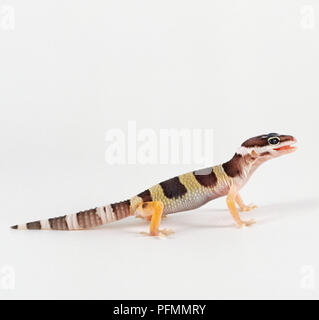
7	278
163	146
7	17
307	277
307	13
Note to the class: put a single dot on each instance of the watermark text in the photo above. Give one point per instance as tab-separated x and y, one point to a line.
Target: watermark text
164	146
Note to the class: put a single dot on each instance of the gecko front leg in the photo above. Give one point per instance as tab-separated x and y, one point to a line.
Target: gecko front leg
230	200
241	204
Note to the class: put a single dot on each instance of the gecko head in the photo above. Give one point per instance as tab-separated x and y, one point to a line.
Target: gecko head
268	146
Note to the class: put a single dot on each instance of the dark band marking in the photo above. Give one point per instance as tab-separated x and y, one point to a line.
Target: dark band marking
206	177
261	141
146	195
173	188
82	219
255	142
233	167
284	138
115	210
88	219
14	227
95	219
121	209
58	223
265	153
36	225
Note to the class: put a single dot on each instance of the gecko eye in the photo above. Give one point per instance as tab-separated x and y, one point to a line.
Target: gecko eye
274	140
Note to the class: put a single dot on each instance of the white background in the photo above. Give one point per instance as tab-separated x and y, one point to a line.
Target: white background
71	70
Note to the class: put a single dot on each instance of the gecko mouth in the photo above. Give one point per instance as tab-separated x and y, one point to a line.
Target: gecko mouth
287	147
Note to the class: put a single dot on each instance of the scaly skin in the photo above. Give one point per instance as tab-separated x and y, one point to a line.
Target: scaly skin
185	192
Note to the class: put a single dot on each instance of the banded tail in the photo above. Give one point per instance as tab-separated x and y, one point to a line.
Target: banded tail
81	220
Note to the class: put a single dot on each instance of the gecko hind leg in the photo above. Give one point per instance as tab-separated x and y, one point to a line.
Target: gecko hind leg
230	200
153	211
242	205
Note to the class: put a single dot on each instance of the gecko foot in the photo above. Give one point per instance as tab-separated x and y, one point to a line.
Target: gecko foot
246	223
249	207
165	232
160	233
